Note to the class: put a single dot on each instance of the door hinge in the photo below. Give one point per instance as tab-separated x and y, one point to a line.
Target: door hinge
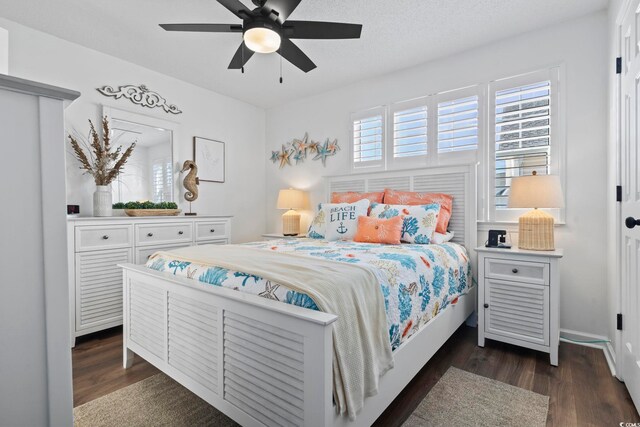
619	321
618	193
619	65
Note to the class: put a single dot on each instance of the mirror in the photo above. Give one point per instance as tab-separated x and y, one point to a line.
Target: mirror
149	172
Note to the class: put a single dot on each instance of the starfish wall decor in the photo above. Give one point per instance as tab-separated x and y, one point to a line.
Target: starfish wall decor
298	149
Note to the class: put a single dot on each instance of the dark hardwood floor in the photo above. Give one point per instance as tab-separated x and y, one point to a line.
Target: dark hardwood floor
581	389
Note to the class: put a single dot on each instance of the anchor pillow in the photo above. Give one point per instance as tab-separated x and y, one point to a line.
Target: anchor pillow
342	219
419	221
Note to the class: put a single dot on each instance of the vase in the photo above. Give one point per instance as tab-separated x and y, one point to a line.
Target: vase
102	201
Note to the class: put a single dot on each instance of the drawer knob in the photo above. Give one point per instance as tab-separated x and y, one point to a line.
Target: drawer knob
181	232
514	271
105	237
150	234
486	305
213	230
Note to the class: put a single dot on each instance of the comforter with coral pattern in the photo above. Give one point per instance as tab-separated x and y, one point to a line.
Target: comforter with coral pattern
417	281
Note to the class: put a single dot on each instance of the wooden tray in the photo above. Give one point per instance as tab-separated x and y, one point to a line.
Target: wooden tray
152	212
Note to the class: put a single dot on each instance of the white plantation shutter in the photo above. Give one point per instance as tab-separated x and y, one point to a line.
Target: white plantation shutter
368	138
410	132
458	125
162	180
522	135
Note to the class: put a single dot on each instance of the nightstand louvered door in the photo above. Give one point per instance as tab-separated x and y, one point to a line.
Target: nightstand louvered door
517	310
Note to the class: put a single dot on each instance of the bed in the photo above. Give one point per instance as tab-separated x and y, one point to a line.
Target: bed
212	339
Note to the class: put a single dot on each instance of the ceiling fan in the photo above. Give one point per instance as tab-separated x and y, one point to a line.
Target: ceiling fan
266	29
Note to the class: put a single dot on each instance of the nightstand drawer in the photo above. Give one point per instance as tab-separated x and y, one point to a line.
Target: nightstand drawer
521	271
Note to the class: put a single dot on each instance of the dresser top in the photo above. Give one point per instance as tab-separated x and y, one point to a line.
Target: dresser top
556	253
125	218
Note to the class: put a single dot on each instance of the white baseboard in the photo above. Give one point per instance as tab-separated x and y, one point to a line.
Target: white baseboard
576	337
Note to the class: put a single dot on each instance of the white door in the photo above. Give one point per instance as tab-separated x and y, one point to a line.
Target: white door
630	207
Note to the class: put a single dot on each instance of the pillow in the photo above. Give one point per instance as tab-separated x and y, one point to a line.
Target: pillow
439	238
318	226
393	197
342	219
354	196
379	230
419	222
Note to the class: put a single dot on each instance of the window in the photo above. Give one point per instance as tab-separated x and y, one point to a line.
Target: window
410	132
525	136
162	180
458	125
368	138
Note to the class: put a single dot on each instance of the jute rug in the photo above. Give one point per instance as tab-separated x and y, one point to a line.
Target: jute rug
461	398
155	401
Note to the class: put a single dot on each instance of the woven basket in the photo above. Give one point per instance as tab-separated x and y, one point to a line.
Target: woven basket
536	231
152	212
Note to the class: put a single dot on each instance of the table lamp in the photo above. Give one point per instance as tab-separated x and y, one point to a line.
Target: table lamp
291	200
536	191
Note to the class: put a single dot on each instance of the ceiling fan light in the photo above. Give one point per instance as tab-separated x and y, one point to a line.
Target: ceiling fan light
262	40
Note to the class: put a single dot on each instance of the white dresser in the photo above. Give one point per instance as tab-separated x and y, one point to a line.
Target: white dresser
98	245
519	298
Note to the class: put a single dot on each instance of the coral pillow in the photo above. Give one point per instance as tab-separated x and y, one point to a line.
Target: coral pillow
379	230
393	197
354	196
418	221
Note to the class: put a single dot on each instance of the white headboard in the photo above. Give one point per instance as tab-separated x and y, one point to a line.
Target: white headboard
458	181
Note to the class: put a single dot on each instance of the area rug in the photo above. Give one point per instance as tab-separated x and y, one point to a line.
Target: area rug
461	398
155	401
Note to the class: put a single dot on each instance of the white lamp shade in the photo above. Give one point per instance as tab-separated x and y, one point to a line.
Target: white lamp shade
292	199
536	191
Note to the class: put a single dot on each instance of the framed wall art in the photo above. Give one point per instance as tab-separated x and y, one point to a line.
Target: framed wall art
209	154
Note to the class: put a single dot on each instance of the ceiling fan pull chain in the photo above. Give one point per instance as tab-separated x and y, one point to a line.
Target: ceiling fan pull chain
281	70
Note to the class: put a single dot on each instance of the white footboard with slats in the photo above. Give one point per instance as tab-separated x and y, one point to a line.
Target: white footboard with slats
263	362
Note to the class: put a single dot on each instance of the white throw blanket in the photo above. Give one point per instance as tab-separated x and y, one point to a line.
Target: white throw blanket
362	352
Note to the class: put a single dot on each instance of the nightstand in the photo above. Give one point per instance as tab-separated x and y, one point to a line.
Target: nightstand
519	298
271	236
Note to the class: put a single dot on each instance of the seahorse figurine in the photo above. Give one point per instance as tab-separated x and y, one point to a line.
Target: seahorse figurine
191	181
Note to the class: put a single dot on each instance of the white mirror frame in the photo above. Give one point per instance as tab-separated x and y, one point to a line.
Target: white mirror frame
117	114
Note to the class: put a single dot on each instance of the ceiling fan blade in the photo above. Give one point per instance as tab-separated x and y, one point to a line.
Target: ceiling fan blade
242	56
237	8
279	10
321	30
293	54
204	28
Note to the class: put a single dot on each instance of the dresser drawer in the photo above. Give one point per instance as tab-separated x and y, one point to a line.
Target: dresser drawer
211	230
91	238
158	234
520	271
143	254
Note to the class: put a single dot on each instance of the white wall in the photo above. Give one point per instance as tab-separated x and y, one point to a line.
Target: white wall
581	47
4	51
41	57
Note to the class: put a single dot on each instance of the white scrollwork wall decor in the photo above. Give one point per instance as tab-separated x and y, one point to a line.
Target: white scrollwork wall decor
140	95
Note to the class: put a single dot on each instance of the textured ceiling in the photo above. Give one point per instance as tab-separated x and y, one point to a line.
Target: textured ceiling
396	34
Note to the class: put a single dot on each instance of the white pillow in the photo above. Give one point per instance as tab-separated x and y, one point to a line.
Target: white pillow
342	219
318	227
419	221
439	238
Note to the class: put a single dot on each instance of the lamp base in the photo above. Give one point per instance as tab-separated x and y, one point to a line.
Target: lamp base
291	223
535	231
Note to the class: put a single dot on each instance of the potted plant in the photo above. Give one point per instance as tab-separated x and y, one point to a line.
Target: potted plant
103	162
148	208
